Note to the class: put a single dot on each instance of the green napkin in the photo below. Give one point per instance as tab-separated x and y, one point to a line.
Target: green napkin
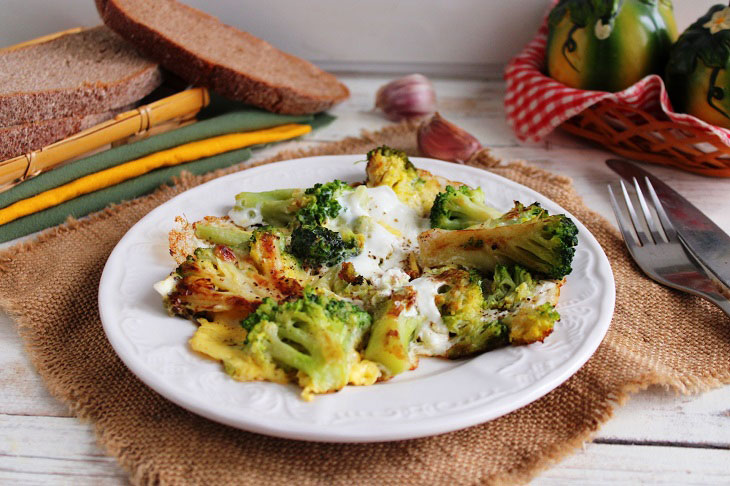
138	186
243	120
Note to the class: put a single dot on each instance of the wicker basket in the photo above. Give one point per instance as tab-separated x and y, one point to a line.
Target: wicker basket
638	135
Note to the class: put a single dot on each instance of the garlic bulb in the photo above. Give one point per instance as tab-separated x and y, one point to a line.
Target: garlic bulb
407	97
441	139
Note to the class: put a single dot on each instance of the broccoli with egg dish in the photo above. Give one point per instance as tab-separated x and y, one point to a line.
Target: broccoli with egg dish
313	339
509	287
480	315
325	206
530	324
228	282
395	326
275	208
544	244
459	208
305	213
414	187
461	304
518	214
287	207
318	246
219	231
214	283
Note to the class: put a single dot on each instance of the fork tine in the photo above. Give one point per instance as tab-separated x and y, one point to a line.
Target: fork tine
653	230
623	225
643	239
663	219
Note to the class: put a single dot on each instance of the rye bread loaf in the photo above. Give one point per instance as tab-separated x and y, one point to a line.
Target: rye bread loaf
202	50
92	71
25	137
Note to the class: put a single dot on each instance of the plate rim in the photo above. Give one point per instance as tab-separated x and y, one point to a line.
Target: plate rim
404	430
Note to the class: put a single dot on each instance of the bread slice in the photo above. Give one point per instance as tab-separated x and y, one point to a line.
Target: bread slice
204	51
26	137
88	72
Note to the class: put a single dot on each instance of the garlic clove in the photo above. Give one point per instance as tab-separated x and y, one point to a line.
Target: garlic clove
407	97
441	139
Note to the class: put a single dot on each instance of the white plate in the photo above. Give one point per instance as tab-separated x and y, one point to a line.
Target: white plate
439	396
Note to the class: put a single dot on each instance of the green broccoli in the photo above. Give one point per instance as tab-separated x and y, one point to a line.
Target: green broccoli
476	336
460	208
213	281
317	246
393	333
324	206
276	208
313	338
390	167
544	244
287	207
530	324
509	287
344	281
461	302
280	269
222	232
518	214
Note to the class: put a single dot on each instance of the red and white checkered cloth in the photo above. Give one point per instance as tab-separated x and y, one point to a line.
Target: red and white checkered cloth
536	104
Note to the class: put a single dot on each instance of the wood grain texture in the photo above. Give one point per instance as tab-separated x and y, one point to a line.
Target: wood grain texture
656	438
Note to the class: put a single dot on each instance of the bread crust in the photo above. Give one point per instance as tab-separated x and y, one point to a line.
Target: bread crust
248	87
89	97
25	137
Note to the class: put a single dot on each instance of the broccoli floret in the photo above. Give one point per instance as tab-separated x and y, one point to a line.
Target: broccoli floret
268	252
276	208
222	232
461	302
519	214
531	324
390	167
317	246
284	207
476	322
509	287
393	333
544	244
228	282
460	208
213	282
324	206
478	336
313	338
343	280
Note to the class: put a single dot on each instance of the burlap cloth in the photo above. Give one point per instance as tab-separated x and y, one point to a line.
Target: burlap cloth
49	286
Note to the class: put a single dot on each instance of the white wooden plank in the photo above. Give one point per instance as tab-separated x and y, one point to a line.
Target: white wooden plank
600	464
75	478
42	471
38	436
39	450
657	415
23	392
53	450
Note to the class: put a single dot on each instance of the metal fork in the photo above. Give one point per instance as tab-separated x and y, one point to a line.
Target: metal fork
660	253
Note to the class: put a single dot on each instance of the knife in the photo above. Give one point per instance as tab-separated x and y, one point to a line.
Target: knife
707	241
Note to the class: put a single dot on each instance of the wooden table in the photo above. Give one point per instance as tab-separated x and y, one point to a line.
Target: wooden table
658	437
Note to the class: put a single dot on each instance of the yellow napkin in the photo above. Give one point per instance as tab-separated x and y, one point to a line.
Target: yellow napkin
166	158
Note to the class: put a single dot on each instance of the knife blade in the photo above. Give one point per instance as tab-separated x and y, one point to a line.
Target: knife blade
707	241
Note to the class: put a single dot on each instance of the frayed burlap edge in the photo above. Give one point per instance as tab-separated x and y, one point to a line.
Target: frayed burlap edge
146	473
